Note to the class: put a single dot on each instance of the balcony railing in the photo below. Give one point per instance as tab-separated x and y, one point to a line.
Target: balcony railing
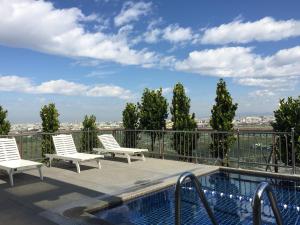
259	150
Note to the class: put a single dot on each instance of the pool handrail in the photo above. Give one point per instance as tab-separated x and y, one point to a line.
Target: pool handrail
200	192
257	200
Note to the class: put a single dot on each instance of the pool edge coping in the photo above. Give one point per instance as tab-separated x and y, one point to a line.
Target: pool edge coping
109	202
127	196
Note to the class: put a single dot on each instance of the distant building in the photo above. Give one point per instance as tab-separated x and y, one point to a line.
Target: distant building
243	122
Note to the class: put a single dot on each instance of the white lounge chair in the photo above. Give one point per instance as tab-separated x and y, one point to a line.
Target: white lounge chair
11	161
112	146
66	150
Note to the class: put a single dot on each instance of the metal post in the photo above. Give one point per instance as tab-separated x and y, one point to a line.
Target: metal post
238	146
293	151
135	139
21	147
163	143
88	137
274	153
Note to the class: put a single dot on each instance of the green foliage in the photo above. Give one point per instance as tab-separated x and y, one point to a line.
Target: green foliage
222	115
49	116
183	121
4	123
287	116
130	123
50	124
89	139
130	117
153	112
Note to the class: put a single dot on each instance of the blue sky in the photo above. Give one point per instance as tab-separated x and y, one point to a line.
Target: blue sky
93	56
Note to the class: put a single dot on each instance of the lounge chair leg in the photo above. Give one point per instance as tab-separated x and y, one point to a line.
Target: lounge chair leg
11	179
40	172
99	165
50	161
143	157
128	158
77	166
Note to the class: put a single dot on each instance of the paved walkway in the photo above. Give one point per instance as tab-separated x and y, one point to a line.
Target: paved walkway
64	194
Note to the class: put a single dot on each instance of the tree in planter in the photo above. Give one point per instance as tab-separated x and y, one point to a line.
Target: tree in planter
153	113
222	115
89	139
4	123
130	123
50	124
287	116
183	121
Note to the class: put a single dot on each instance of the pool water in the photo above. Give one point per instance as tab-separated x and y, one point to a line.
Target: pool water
228	194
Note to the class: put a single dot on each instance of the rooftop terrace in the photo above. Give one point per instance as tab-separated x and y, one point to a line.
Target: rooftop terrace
64	195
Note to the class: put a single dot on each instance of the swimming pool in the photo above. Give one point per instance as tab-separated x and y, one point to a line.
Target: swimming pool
229	196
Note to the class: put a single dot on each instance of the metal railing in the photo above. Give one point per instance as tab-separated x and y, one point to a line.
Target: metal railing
259	150
200	193
256	205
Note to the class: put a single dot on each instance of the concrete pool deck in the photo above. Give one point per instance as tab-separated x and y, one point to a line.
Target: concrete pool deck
64	196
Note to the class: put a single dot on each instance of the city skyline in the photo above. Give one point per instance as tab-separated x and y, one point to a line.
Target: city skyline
91	57
254	122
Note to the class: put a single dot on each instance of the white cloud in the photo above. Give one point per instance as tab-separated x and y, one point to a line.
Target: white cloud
61	87
265	29
100	74
13	83
152	36
175	33
167	62
37	25
262	93
131	12
172	33
242	62
275	83
279	71
109	90
167	90
223	62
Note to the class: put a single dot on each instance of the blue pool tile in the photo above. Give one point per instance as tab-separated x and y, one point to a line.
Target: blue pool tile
229	196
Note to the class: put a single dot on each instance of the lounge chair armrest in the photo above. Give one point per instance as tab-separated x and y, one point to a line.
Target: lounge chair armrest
99	149
136	149
49	155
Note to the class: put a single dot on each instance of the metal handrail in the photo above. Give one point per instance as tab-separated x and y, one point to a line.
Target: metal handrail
256	204
200	192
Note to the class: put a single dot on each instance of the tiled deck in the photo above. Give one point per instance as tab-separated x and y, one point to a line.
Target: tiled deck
64	195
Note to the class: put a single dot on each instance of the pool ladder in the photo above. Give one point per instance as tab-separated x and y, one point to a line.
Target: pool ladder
256	204
200	192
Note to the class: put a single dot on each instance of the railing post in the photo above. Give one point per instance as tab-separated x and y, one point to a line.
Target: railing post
293	151
274	163
88	144
135	139
163	143
21	147
238	147
195	144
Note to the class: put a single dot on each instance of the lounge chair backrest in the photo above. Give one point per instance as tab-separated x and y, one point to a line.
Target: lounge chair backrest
9	149
108	141
64	144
